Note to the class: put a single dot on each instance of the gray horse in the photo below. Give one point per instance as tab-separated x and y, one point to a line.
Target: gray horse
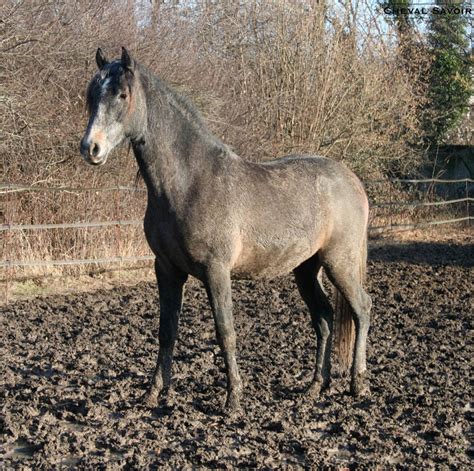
215	216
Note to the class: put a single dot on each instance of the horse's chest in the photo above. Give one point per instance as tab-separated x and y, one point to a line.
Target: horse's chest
162	233
184	243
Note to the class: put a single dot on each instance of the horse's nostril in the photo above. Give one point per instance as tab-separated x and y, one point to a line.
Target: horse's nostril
95	150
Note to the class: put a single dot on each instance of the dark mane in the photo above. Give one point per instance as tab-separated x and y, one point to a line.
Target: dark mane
181	103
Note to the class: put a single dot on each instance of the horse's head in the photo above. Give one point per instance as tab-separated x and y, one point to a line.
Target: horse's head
111	101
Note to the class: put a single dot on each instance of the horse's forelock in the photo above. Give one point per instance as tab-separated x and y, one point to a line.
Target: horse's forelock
110	72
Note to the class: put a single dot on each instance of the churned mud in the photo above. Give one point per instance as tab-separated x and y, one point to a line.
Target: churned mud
73	369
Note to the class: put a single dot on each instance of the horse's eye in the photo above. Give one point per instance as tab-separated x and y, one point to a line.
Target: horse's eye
123	96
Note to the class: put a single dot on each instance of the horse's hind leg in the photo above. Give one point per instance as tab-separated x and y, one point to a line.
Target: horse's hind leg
310	288
170	286
347	275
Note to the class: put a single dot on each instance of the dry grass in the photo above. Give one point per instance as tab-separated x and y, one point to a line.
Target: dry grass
462	234
270	77
62	284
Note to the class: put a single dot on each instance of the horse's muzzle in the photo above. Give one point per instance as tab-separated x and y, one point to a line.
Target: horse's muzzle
91	152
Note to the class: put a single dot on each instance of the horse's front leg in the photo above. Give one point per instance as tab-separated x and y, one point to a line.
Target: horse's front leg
170	287
218	286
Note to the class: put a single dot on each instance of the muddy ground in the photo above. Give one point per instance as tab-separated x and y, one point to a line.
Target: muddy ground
73	369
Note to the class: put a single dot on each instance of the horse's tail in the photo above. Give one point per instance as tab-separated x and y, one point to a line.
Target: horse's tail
344	328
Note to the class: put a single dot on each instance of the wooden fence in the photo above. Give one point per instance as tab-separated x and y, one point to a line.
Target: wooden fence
394	193
419	194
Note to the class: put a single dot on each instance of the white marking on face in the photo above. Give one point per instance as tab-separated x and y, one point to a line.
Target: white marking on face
111	133
105	84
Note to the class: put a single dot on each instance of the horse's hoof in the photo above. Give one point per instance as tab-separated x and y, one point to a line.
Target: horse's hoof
151	398
232	406
232	412
316	388
360	386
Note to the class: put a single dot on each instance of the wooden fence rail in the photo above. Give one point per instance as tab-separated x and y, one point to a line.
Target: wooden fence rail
6	188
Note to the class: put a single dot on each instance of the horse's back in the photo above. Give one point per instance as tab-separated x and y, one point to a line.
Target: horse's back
314	187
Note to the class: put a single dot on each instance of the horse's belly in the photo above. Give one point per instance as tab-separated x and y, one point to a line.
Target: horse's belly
270	260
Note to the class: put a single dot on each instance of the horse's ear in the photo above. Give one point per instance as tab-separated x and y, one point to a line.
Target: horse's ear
100	58
127	62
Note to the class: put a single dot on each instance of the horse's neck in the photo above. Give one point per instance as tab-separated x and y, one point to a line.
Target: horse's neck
173	150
